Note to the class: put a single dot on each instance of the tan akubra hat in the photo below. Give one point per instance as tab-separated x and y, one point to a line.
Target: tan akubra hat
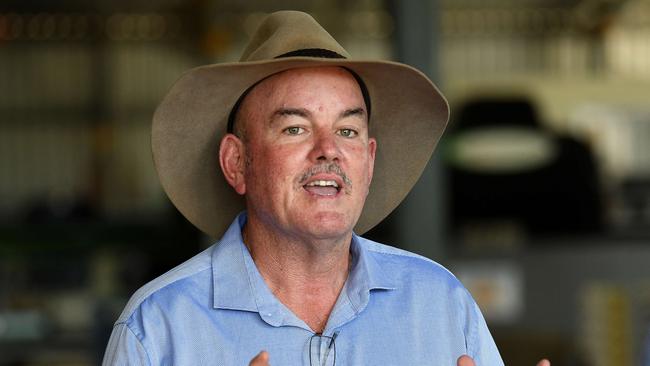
408	117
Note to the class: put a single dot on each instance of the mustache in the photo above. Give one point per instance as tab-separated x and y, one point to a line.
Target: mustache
332	168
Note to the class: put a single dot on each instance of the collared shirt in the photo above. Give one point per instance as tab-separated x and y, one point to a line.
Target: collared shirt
396	308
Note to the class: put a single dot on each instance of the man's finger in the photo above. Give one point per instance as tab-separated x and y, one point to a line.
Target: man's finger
544	362
262	359
465	360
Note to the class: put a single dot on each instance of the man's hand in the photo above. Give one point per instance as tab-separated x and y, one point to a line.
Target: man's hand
262	359
465	360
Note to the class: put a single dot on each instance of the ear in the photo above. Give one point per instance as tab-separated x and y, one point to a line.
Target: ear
372	149
232	158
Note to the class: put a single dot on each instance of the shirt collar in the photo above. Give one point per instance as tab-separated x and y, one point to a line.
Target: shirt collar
366	275
238	285
230	280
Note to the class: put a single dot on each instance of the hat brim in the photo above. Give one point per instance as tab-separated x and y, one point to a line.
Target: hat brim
409	115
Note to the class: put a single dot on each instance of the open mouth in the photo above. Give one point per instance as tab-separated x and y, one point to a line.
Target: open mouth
323	187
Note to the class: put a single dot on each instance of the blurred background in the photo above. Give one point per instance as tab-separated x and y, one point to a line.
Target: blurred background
538	197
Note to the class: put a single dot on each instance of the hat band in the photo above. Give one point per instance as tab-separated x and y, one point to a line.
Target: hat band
305	52
311	52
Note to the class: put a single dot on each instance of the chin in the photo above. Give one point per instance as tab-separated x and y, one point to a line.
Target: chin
329	225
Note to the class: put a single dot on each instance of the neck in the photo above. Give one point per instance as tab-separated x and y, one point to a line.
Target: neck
305	275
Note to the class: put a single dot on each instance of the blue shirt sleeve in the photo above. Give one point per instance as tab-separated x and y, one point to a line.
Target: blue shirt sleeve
480	344
124	348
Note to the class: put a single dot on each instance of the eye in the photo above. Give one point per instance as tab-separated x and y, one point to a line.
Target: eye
347	132
294	130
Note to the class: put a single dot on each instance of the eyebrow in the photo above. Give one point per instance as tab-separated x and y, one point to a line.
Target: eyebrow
281	112
302	112
360	112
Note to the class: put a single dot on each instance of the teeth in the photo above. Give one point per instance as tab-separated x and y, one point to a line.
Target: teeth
323	183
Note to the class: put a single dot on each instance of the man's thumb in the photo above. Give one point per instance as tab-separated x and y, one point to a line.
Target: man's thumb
465	360
262	359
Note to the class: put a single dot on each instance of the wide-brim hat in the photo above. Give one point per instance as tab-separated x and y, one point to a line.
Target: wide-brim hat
408	117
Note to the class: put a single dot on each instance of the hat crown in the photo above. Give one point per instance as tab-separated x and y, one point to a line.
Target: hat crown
287	31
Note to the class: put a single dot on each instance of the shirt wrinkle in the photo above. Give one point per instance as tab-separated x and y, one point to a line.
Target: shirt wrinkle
139	338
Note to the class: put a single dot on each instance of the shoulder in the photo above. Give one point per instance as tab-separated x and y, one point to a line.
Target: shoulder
166	286
434	295
391	256
411	270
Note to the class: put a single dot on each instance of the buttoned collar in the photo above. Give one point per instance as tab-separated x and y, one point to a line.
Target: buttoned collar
238	285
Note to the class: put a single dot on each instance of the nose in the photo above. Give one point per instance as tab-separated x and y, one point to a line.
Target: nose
325	147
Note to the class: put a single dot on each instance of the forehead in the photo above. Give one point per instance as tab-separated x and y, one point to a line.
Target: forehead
314	82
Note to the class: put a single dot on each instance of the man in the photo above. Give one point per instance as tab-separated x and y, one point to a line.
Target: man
299	131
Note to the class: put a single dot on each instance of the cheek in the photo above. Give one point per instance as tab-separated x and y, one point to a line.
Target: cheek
361	160
275	165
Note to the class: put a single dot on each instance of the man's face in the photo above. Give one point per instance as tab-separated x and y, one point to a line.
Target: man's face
309	159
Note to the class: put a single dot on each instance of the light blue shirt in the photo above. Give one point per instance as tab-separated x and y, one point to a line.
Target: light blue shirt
396	308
